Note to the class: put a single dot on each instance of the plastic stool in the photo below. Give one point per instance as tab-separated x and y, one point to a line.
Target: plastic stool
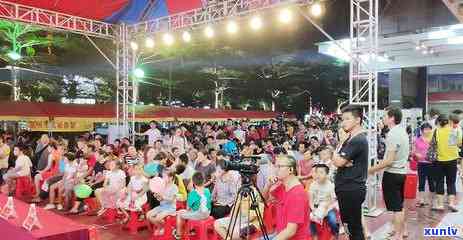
411	182
181	205
324	231
169	226
24	186
110	215
92	205
201	227
133	225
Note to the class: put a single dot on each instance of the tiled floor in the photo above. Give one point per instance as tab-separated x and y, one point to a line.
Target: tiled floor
417	219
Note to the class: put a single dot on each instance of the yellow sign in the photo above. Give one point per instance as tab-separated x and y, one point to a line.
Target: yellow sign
59	125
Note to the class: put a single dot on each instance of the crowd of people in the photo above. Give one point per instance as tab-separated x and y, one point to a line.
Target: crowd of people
310	172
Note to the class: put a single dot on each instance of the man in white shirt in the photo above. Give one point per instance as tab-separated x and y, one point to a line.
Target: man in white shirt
153	134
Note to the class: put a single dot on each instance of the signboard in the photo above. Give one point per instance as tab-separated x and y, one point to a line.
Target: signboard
60	125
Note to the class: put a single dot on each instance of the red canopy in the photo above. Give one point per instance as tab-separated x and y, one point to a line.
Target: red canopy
107	112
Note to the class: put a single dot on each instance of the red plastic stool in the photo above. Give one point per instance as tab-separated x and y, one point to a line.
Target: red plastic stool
134	224
201	227
24	186
181	205
92	205
411	182
323	231
169	226
110	215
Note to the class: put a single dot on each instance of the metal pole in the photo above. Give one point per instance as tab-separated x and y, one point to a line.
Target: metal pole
16	88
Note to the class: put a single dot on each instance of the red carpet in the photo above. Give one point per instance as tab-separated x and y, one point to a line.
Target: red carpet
55	227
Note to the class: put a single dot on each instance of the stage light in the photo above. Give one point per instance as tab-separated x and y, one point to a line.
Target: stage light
256	23
417	47
431	51
138	73
149	43
168	39
186	36
316	9
285	16
232	27
209	32
134	46
14	55
425	52
455	40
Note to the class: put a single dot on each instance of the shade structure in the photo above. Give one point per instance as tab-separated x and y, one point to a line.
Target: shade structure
17	111
115	11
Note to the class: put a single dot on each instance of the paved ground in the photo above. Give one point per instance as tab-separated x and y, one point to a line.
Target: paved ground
417	219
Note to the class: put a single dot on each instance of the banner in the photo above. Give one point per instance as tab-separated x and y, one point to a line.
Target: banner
60	125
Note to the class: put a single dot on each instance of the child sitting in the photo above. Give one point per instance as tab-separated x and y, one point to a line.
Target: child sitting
78	177
22	167
326	156
199	204
66	185
134	196
108	195
322	201
167	201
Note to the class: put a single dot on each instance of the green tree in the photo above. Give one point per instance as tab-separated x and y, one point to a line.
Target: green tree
20	43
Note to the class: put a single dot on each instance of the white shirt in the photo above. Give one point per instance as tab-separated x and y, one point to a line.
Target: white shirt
240	134
153	135
23	162
116	179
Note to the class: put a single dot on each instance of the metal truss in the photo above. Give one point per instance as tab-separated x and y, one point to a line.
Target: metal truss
127	58
55	20
213	13
126	99
363	83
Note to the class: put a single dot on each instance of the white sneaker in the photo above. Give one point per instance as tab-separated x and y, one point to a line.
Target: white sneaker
59	207
49	206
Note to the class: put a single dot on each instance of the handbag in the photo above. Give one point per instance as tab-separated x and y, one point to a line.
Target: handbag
431	154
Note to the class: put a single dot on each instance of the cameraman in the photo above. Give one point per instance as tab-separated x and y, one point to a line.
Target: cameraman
226	186
290	199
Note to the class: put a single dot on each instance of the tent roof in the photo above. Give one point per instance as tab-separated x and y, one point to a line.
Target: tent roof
106	112
128	11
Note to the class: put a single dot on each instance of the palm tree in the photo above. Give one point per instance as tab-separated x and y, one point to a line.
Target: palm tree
21	41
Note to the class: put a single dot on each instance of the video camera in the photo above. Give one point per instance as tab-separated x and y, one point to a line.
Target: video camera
246	166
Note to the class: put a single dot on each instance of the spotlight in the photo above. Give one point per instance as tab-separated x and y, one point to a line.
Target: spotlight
425	52
209	32
285	16
186	36
417	47
431	51
168	39
138	73
316	9
232	27
256	23
134	46
14	55
149	43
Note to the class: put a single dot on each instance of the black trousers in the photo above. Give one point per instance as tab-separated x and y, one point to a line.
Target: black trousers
446	172
426	173
219	212
350	207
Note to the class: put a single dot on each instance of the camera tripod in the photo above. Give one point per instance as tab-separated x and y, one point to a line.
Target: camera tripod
247	190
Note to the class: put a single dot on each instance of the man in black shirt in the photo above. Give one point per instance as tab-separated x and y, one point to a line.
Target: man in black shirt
352	162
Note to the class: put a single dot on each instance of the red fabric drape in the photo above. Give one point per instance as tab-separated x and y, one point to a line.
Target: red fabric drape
93	9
